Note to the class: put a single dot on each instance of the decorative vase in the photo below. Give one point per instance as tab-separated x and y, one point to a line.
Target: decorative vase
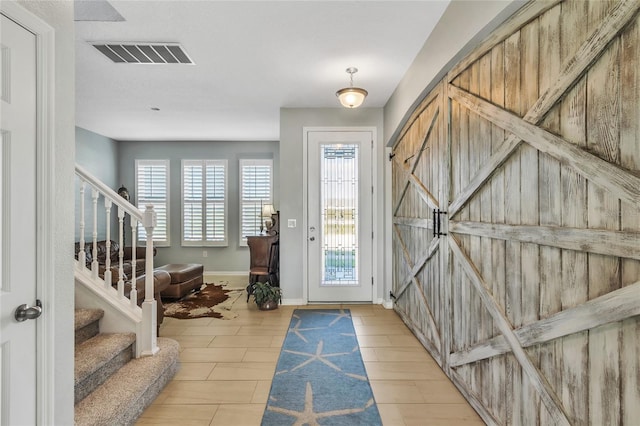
269	305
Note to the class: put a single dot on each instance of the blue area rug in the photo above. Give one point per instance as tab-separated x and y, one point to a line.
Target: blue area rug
320	378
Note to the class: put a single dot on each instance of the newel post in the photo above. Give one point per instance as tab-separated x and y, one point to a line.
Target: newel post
149	307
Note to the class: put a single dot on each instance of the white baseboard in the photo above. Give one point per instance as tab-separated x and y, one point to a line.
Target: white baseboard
227	273
301	302
293	302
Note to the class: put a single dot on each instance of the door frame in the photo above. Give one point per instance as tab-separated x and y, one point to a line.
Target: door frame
45	200
375	220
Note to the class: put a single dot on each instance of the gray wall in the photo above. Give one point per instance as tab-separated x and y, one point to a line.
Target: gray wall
99	155
60	306
292	240
462	26
234	258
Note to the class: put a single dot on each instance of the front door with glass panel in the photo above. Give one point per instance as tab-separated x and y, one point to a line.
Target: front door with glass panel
339	225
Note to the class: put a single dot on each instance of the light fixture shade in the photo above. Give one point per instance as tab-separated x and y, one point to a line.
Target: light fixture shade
351	97
268	210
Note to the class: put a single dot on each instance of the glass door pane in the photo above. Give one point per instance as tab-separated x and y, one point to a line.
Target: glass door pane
339	214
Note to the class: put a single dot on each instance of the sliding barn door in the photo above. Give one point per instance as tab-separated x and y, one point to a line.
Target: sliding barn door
532	307
417	193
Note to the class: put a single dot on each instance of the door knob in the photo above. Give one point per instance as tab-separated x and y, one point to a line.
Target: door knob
312	238
25	312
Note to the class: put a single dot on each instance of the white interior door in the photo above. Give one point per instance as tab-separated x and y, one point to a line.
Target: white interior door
339	223
17	223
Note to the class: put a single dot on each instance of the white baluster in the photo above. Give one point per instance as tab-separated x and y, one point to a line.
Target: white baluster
82	255
94	261
121	252
134	268
149	225
107	260
149	307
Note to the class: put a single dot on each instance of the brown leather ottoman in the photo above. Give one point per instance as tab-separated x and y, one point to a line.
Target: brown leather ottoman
184	278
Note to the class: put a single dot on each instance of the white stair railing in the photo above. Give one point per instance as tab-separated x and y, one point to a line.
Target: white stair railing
147	314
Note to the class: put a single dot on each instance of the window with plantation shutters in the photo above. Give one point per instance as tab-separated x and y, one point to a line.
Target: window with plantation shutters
204	204
152	187
255	191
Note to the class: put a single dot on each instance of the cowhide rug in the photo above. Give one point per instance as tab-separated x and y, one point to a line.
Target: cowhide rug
211	300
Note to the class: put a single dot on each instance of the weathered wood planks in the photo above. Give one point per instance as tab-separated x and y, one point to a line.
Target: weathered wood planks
599	241
630	213
611	307
532	146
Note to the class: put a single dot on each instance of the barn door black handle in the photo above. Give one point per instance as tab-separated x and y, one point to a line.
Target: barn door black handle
437	223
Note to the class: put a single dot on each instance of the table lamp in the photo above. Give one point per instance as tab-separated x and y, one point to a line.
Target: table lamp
267	211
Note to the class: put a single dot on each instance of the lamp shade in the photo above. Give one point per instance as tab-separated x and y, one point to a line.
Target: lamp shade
351	97
268	210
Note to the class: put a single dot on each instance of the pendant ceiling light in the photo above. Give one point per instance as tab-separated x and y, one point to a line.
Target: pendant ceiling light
351	97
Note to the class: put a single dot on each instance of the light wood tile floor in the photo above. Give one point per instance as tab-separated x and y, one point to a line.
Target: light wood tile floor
227	366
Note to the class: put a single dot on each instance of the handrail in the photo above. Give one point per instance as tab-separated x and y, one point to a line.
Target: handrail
112	195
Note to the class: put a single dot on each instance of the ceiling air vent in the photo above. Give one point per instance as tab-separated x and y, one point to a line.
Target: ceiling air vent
144	53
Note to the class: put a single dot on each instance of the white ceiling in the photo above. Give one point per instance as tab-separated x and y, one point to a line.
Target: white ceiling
251	58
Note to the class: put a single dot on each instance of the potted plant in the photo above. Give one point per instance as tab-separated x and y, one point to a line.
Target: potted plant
266	296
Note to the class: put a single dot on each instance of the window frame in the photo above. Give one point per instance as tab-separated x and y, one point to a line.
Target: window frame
247	162
203	242
167	164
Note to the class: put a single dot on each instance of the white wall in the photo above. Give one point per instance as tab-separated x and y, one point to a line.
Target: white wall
462	26
292	240
59	15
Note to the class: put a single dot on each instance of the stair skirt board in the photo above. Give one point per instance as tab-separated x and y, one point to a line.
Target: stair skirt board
130	390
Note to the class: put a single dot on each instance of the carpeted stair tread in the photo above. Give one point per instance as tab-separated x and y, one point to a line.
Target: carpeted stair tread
87	316
98	358
124	396
87	324
95	352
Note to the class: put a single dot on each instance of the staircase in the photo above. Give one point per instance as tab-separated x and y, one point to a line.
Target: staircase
99	284
112	387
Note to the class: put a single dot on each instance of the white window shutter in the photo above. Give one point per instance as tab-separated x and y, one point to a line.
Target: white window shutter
152	188
204	202
256	183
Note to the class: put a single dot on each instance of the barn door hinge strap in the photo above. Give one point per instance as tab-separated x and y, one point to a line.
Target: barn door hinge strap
437	223
391	155
391	295
419	153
